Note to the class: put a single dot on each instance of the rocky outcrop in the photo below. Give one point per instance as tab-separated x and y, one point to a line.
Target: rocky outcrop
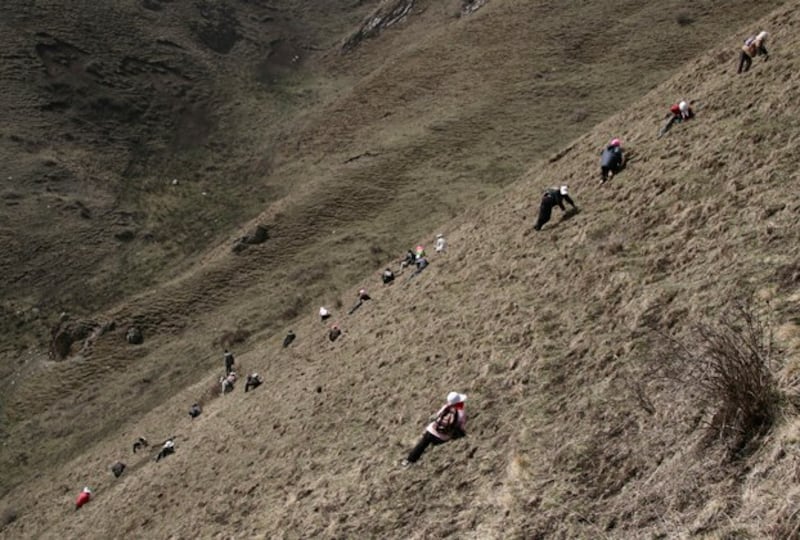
387	14
259	235
471	6
134	335
67	334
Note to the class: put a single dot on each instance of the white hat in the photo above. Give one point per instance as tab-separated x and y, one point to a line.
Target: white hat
439	235
323	311
683	106
454	398
563	189
762	36
87	490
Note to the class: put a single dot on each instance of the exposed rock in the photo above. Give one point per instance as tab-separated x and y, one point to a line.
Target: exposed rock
387	14
134	336
65	334
471	6
259	235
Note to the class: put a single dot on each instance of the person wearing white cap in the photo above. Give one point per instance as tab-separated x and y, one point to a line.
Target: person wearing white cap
324	314
448	424
753	46
441	244
678	112
552	197
166	449
83	497
362	297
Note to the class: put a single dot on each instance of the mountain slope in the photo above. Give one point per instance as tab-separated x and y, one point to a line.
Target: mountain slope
545	331
344	158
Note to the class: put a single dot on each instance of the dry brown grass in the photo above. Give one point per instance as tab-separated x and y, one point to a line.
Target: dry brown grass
729	366
537	329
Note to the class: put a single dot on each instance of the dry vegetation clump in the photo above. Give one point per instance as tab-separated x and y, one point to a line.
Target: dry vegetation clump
727	366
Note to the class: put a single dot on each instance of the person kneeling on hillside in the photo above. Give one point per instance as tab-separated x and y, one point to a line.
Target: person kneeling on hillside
167	449
753	46
228	382
254	380
140	444
678	112
408	260
611	160
362	297
387	276
334	332
552	197
195	411
448	424
83	497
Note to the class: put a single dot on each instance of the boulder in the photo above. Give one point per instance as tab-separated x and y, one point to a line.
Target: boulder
134	336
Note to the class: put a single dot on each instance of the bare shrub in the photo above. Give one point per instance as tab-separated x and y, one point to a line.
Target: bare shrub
727	366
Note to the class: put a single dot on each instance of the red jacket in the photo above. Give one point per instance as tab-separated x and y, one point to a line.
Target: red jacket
82	499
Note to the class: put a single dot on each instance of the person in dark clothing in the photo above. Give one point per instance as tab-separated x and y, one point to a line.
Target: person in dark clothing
408	260
448	424
334	333
229	361
422	264
753	46
611	160
288	339
195	411
254	380
139	444
117	469
387	276
551	198
362	297
167	449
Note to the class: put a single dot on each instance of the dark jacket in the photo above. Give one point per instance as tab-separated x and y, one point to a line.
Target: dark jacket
555	196
611	157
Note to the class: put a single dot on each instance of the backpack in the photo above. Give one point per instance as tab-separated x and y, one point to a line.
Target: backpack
749	41
447	423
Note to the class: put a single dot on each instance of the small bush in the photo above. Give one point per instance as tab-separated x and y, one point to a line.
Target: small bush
727	366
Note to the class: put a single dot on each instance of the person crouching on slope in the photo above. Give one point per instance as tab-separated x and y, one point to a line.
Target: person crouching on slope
753	46
678	112
611	160
448	424
552	197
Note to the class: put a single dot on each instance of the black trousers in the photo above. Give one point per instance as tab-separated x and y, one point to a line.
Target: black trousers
744	62
426	440
545	211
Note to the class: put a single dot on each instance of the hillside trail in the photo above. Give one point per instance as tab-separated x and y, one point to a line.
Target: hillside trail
544	332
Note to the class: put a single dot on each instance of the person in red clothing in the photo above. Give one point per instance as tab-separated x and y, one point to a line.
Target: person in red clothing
679	112
448	424
84	497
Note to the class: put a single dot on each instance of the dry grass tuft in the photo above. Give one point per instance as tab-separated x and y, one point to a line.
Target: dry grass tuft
728	368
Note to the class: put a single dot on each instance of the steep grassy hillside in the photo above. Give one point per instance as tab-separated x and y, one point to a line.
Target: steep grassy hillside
343	157
548	333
